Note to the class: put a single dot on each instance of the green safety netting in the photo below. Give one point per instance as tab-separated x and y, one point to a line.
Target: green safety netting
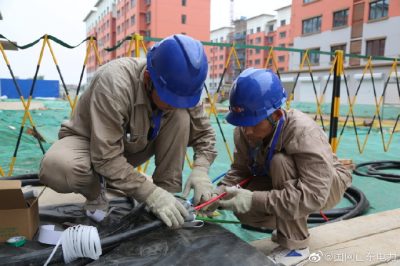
382	195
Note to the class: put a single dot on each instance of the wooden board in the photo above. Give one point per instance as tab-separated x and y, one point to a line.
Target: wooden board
367	240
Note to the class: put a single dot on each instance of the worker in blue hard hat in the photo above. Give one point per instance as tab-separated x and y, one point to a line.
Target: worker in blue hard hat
134	109
295	172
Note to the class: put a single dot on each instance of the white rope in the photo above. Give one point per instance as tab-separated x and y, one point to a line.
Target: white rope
80	241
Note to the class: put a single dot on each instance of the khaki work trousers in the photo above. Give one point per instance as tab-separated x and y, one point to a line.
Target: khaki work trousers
292	234
66	166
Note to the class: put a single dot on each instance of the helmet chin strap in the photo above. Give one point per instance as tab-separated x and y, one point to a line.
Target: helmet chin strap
271	149
272	121
156	113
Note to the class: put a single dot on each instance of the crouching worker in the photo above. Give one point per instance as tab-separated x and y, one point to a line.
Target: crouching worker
134	109
295	171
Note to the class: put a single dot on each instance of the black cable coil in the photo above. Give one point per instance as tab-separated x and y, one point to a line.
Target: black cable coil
374	169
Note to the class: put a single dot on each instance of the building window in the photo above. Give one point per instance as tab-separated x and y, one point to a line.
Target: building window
251	51
251	41
308	1
270	28
118	29
221	66
258	29
133	3
183	19
148	17
258	40
283	22
312	25
148	2
257	62
183	2
251	31
375	48
282	34
378	9
250	62
133	20
282	45
281	58
337	47
221	57
258	51
270	39
148	33
281	69
340	18
313	57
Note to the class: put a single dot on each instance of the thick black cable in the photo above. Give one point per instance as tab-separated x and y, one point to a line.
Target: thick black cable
373	169
354	195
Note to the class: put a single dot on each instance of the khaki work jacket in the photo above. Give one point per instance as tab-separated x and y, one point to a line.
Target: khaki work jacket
114	114
306	143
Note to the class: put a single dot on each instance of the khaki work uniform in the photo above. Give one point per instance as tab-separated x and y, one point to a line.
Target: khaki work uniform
108	136
305	177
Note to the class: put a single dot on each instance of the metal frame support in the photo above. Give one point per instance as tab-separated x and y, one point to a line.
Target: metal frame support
334	119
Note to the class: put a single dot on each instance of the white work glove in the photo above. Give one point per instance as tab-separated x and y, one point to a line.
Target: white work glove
167	208
237	200
201	184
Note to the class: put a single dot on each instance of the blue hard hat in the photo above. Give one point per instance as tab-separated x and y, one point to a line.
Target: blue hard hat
178	67
254	96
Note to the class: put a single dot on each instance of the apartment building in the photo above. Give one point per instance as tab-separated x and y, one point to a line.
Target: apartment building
355	26
114	20
217	56
283	36
256	35
91	22
261	30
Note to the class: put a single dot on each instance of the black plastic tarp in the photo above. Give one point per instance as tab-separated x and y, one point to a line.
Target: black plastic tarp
208	245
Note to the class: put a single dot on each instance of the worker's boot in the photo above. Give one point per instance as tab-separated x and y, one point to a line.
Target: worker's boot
286	257
98	209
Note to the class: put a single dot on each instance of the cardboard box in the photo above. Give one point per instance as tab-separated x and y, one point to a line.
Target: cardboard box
18	217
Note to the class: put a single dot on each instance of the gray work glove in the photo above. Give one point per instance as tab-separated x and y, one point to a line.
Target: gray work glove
201	184
237	200
167	208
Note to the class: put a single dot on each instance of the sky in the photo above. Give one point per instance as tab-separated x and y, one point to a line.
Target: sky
27	20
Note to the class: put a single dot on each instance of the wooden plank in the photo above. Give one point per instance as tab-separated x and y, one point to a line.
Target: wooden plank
375	249
329	235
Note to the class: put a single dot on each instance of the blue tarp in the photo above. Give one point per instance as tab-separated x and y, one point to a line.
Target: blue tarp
43	88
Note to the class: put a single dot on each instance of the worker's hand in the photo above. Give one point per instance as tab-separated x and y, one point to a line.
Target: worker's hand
167	208
208	210
201	184
237	200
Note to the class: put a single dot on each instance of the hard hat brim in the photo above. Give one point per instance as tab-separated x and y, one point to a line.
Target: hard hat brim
244	121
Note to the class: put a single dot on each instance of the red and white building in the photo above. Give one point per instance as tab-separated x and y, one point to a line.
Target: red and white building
113	20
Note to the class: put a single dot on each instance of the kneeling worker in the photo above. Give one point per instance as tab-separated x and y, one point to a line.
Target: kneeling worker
134	109
295	171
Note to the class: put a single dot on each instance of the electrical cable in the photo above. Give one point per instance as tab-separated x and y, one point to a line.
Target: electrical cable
107	242
373	169
80	241
355	196
200	206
